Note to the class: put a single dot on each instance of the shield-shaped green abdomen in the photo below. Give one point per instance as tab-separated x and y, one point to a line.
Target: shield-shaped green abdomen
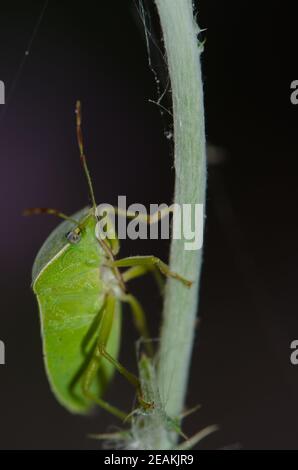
70	294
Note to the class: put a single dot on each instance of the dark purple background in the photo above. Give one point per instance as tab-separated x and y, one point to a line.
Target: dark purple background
241	371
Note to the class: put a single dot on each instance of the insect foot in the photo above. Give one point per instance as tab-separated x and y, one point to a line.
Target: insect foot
146	405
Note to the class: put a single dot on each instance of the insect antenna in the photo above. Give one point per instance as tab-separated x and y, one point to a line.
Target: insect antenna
82	154
103	243
47	210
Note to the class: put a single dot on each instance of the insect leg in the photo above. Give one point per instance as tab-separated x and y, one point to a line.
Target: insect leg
113	239
147	219
139	319
91	333
100	352
107	316
88	378
138	271
150	262
128	375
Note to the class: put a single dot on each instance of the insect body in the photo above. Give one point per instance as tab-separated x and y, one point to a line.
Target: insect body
79	289
70	292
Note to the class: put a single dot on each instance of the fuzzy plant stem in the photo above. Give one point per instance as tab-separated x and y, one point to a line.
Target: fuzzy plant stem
182	47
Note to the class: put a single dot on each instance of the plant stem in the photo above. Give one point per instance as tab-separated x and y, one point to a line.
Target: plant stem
180	307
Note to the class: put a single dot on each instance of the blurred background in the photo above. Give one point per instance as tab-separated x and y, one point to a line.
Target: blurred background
241	371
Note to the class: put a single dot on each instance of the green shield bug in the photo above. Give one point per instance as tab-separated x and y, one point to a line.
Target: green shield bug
79	288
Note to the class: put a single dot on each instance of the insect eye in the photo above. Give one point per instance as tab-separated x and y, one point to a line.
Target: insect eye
73	237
